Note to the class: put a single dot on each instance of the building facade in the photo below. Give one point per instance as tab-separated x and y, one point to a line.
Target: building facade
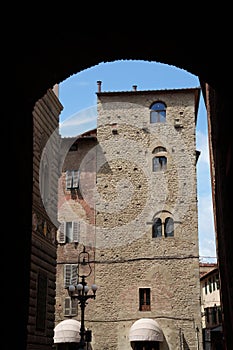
211	309
46	143
133	205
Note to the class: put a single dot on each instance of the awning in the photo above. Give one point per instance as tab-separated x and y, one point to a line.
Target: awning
67	331
145	329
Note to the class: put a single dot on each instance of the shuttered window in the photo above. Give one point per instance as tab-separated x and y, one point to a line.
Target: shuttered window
70	307
70	274
72	179
68	232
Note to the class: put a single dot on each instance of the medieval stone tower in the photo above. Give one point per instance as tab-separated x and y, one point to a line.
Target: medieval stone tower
136	212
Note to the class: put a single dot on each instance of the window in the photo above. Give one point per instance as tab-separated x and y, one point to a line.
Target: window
169	227
213	315
160	160
70	307
144	299
69	231
159	163
210	284
73	147
163	227
72	179
157	228
70	277
214	283
70	274
217	282
207	314
206	291
158	112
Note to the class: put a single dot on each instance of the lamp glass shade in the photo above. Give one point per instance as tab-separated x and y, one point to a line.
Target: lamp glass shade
79	286
71	288
86	289
94	287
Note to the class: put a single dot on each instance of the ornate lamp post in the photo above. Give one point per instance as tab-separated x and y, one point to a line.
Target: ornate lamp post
81	289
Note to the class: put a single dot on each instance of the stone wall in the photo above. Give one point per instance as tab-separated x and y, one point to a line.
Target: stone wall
128	195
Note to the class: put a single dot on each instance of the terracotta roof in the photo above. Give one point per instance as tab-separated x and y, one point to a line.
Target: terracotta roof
131	92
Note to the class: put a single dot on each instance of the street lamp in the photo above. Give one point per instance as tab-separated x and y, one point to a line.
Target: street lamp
80	291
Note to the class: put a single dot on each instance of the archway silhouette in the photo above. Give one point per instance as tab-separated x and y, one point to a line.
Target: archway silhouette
46	60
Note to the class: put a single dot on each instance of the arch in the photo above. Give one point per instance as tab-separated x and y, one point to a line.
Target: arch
79	51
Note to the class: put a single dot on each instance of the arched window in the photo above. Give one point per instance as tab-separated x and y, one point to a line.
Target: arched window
157	228
169	227
158	112
163	226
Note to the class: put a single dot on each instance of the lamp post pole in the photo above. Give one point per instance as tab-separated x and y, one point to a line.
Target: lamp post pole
80	292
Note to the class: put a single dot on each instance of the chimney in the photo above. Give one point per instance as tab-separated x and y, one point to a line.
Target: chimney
134	87
99	85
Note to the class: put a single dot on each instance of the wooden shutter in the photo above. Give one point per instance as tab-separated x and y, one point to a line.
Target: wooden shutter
74	307
70	274
75	179
70	307
76	231
68	179
61	238
67	306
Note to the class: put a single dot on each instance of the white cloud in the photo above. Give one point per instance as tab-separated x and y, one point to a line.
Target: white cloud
79	122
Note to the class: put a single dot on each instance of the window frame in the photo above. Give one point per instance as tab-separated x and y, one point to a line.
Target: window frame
162	224
70	273
62	236
70	307
72	179
159	161
144	299
158	112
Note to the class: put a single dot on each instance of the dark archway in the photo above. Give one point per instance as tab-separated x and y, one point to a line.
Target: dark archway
44	59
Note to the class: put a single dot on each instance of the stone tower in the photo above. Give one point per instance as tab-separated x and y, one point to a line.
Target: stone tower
144	230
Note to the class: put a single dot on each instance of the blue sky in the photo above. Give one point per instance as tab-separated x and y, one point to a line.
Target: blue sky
78	97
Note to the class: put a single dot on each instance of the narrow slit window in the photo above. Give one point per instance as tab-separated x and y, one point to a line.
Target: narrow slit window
144	299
